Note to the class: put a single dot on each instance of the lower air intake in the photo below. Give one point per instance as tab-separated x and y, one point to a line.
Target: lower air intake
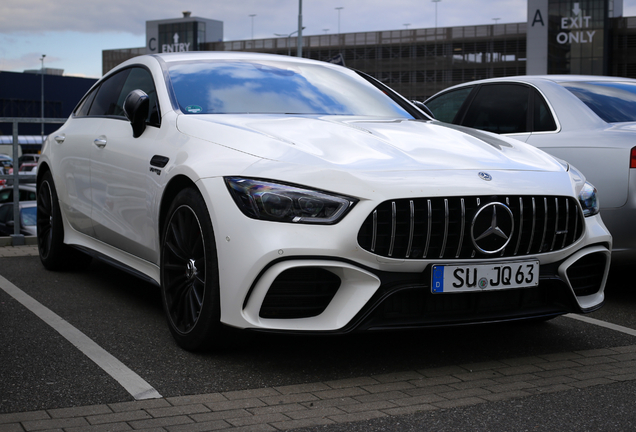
301	292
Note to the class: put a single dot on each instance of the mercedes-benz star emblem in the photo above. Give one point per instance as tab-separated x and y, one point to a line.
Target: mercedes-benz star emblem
492	228
485	176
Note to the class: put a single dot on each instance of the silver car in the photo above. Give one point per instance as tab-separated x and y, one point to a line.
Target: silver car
588	121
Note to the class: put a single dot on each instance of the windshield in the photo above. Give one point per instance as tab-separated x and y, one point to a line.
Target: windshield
230	87
614	102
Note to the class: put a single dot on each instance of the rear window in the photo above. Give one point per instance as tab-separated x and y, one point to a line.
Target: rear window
614	102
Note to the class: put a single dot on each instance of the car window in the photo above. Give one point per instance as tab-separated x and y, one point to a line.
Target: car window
271	87
141	79
85	105
6	195
614	102
107	98
446	106
6	213
27	195
542	118
499	108
28	216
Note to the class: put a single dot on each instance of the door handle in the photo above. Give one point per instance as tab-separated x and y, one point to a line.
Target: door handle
100	142
59	138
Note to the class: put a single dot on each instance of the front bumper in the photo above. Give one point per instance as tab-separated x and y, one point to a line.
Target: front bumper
315	278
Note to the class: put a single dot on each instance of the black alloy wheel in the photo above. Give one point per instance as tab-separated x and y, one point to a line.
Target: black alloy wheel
189	273
54	254
44	220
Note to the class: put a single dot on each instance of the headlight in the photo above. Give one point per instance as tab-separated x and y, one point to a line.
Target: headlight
589	200
260	199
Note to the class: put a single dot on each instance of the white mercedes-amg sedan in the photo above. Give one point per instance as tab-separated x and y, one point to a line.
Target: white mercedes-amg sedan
281	194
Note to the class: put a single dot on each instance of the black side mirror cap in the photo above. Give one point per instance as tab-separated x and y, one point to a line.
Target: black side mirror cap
424	108
136	108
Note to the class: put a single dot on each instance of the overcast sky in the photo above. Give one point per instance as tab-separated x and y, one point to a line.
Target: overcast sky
73	33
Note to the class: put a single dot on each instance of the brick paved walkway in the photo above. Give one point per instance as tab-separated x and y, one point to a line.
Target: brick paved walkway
12	251
358	399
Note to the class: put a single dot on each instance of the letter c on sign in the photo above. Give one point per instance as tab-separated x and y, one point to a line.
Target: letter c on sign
152	42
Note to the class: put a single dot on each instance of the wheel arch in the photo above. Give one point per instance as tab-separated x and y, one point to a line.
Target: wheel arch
42	169
174	186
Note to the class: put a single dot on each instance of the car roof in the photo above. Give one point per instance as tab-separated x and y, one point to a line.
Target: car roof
167	58
553	78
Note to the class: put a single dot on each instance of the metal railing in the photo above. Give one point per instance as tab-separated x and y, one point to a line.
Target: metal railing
17	238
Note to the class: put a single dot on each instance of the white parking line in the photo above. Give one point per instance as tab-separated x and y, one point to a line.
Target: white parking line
129	380
605	324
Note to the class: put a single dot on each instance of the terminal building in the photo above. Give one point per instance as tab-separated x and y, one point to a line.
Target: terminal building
560	37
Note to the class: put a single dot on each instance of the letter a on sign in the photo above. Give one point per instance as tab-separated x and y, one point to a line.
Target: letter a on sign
537	18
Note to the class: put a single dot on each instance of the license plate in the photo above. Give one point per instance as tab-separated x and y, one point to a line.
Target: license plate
484	277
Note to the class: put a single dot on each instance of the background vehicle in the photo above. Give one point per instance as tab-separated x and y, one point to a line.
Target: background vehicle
588	121
289	195
28	210
27	193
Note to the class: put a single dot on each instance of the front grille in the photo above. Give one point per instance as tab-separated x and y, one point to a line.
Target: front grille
301	292
586	275
442	228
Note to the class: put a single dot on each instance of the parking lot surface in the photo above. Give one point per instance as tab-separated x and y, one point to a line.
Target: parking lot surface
57	329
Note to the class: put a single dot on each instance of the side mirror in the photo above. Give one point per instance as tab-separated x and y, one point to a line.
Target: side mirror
136	108
424	108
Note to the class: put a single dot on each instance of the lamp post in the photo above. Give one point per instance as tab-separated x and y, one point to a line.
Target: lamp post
436	1
42	99
252	16
339	9
299	46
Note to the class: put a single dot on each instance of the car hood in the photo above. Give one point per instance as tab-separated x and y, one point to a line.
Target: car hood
366	144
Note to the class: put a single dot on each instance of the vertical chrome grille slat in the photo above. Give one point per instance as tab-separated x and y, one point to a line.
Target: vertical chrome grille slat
463	225
411	228
545	223
393	227
534	222
430	226
445	238
567	222
520	225
556	223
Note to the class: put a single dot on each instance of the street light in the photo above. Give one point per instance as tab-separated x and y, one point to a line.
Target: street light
339	9
436	1
495	20
406	26
42	107
252	16
288	39
299	42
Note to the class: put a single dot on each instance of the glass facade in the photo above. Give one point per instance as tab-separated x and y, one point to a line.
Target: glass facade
416	63
577	36
181	36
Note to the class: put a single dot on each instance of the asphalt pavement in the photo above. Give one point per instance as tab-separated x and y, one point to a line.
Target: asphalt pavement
565	375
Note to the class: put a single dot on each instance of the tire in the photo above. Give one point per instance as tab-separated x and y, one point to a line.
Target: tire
190	274
54	254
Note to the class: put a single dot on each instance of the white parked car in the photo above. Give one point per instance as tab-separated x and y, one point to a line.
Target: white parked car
283	194
588	121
